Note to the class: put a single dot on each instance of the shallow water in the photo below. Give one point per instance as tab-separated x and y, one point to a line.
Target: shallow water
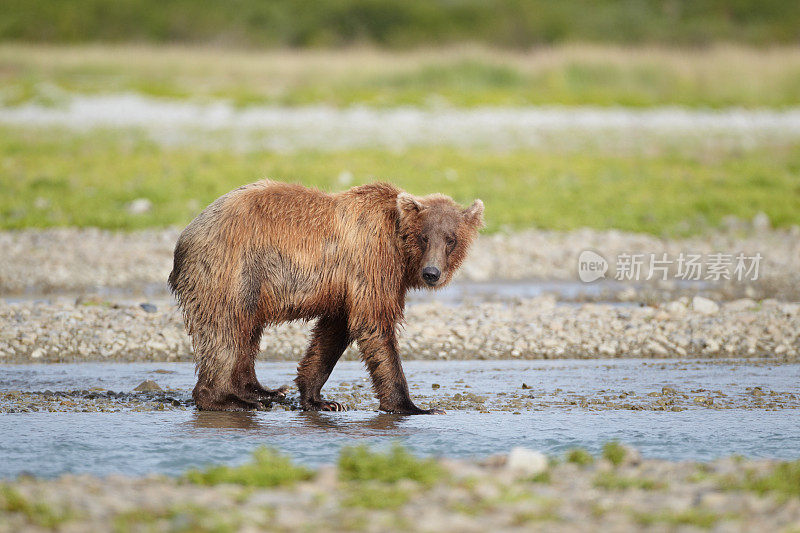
456	293
133	442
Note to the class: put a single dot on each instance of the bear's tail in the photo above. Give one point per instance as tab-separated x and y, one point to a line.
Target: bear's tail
178	263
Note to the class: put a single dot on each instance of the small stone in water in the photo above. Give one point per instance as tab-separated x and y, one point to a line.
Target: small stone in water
526	386
435	386
148	308
147	385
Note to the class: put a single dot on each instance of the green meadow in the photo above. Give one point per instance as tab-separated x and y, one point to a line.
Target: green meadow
60	178
53	177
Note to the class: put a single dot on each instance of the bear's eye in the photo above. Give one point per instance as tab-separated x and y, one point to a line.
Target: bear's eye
424	239
451	242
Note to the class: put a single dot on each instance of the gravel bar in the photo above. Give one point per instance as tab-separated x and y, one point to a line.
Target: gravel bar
90	260
525	329
523	491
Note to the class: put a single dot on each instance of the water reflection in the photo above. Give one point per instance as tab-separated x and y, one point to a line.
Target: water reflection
302	422
225	420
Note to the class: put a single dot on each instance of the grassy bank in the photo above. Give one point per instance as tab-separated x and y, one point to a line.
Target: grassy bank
400	23
566	75
58	178
396	491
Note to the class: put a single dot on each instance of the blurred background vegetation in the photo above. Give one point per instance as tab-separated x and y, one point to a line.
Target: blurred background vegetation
402	23
426	54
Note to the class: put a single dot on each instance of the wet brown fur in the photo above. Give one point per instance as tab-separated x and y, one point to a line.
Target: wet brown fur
271	252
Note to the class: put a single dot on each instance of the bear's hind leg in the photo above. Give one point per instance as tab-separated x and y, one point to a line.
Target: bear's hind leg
329	341
210	399
246	370
219	384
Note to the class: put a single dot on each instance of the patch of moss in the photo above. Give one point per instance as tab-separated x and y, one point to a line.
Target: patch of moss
37	513
579	456
178	519
541	477
375	496
701	473
783	479
359	463
267	469
691	517
544	515
612	481
614	452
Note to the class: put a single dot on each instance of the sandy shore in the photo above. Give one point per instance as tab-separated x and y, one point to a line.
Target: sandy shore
523	491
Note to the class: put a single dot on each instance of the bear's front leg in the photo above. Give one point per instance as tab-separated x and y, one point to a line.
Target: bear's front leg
379	350
328	342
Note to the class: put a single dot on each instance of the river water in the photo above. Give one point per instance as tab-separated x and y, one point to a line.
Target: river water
222	124
169	441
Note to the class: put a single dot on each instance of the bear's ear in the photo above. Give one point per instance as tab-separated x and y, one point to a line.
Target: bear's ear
408	204
474	214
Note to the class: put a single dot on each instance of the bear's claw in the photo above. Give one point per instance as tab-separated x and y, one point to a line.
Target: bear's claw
323	405
268	394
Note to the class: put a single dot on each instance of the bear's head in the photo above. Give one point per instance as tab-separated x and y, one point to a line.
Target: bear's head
436	234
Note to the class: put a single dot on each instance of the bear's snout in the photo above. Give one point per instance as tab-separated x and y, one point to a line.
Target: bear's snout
431	275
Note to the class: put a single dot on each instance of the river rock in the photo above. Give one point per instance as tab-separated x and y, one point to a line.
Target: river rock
704	305
526	461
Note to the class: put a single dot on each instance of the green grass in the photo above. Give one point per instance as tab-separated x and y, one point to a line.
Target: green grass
370	477
359	464
57	178
579	456
614	452
716	77
267	469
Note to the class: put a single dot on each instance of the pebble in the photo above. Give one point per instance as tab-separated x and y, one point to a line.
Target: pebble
704	305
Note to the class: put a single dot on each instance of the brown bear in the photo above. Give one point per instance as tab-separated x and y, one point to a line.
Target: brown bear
270	252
